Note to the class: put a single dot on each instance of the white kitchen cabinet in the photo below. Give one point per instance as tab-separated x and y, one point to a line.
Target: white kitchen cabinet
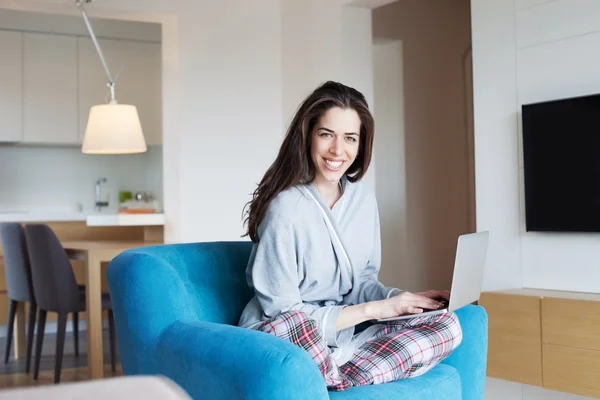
11	94
139	83
49	89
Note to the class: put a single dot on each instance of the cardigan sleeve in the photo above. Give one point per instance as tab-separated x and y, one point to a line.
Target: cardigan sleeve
367	286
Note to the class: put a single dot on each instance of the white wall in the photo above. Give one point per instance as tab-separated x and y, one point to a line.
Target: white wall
308	60
357	65
495	122
230	111
171	96
391	163
557	58
526	51
56	179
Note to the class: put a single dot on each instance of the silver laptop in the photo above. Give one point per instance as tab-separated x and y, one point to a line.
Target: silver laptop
467	279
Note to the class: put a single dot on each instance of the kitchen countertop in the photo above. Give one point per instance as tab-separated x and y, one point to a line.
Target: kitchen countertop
125	219
94	219
41	216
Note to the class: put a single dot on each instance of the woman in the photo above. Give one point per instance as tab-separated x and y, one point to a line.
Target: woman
315	260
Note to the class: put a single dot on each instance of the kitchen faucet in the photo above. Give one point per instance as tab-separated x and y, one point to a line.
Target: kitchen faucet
99	202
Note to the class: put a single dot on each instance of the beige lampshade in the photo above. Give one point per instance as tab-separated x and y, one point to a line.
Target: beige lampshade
113	129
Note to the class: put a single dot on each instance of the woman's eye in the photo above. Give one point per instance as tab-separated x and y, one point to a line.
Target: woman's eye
325	135
351	139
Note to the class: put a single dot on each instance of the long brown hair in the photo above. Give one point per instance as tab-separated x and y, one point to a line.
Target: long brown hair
293	164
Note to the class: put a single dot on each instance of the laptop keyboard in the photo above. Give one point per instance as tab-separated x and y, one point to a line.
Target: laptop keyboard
443	307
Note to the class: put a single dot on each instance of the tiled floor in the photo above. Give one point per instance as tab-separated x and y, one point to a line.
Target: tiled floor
497	389
13	374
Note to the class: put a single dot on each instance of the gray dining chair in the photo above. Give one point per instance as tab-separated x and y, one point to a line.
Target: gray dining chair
56	290
17	272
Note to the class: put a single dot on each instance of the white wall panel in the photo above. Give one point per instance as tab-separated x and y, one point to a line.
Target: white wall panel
557	20
496	154
523	4
559	69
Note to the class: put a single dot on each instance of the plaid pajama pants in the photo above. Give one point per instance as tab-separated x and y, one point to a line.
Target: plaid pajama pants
394	349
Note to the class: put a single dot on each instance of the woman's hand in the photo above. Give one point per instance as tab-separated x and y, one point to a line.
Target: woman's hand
404	303
436	294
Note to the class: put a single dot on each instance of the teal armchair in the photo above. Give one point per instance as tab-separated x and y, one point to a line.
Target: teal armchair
176	308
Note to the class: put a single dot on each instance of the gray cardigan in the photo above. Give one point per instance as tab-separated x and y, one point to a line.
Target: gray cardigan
298	264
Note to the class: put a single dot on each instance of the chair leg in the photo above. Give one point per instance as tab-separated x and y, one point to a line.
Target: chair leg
76	332
61	325
30	333
40	342
113	340
12	310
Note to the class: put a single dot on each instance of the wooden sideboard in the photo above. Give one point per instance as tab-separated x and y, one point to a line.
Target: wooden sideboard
545	338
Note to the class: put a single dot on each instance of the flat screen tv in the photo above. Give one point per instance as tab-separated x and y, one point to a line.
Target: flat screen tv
561	154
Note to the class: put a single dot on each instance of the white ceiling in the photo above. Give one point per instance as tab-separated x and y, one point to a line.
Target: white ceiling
68	6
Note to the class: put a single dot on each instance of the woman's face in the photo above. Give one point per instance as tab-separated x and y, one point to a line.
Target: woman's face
335	141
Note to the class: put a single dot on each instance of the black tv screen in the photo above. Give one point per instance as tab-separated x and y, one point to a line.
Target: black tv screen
561	154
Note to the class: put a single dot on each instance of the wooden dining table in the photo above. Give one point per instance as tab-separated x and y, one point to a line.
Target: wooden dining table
93	254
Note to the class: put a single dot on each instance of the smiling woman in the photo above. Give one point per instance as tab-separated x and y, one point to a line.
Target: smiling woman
316	256
334	147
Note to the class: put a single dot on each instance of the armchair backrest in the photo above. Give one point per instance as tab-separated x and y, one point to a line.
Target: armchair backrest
158	285
217	280
153	287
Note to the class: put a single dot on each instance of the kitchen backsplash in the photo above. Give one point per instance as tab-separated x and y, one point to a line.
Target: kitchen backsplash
63	179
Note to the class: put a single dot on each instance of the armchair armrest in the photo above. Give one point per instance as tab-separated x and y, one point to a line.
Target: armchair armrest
147	296
218	361
470	357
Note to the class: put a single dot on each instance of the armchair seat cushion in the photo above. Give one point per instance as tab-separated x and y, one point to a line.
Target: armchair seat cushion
441	383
